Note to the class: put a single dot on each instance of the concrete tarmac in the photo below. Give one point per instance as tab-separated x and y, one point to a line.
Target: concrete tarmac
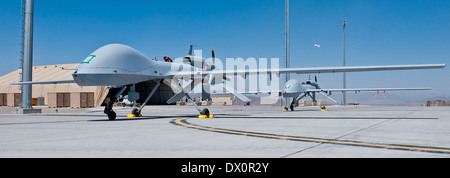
235	132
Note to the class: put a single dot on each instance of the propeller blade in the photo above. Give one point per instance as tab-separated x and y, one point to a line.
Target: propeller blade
315	77
213	56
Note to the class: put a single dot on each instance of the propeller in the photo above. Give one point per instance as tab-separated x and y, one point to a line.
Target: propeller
213	56
208	80
315	78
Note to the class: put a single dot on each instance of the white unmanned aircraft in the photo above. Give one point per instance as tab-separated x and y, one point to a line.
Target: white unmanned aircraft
122	67
293	88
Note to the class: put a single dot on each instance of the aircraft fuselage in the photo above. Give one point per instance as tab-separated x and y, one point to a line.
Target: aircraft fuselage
117	64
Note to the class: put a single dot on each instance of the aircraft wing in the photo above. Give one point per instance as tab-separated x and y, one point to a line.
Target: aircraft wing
364	89
339	90
45	82
278	92
312	70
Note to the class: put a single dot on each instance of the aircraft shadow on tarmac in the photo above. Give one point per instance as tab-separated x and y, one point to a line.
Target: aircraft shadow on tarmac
322	117
142	118
243	116
102	118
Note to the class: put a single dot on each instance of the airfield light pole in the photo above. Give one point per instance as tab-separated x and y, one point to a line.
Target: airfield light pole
287	40
27	54
344	23
288	62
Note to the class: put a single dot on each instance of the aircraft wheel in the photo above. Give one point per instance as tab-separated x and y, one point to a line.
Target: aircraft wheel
205	112
112	115
136	112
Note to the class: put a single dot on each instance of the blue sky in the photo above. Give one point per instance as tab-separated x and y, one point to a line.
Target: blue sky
379	32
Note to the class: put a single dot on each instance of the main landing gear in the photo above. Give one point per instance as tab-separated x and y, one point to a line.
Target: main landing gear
205	111
136	112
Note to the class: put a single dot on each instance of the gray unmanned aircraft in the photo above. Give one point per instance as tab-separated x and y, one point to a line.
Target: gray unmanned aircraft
293	88
122	67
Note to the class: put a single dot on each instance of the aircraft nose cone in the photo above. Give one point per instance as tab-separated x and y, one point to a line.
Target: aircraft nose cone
114	64
116	57
292	87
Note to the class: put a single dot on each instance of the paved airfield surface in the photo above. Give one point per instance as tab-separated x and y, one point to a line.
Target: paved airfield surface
237	132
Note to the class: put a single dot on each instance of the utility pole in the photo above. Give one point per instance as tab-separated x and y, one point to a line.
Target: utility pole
27	54
288	62
287	40
344	23
27	65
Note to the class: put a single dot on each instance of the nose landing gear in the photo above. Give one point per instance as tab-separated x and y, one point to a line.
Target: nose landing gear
108	111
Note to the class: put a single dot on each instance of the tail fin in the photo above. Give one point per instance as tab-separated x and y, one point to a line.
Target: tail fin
191	47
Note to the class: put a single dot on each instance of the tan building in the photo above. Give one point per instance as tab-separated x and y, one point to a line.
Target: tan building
53	95
438	103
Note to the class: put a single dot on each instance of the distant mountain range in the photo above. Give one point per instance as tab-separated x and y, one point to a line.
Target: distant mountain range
393	99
